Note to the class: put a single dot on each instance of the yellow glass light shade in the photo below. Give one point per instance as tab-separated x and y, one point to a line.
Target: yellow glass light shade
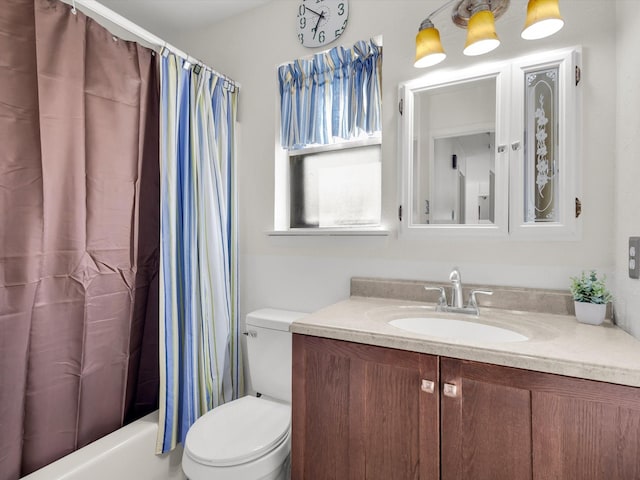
429	49
481	34
543	19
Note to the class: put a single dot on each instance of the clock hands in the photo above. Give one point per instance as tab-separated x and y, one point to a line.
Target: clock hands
315	29
313	11
320	17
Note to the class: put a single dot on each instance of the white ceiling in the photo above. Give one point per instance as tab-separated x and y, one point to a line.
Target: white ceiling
159	16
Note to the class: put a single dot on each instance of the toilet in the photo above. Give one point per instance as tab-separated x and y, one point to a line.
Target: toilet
249	438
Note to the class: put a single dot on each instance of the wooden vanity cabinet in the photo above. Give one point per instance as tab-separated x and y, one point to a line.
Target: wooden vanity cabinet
359	412
486	423
364	412
508	423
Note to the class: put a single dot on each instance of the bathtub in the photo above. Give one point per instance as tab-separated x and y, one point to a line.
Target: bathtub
126	454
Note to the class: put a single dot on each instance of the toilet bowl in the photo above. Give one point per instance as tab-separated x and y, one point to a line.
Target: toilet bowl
249	438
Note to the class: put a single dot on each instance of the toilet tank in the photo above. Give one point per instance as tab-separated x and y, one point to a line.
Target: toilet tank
269	351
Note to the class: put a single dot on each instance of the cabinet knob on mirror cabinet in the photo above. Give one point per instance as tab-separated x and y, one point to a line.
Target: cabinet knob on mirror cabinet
428	386
450	390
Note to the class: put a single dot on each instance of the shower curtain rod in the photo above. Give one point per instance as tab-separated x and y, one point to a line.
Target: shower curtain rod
141	33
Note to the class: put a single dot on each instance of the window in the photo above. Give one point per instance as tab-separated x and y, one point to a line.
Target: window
328	158
335	188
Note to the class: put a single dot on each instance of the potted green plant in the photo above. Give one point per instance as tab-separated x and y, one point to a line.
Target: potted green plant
590	297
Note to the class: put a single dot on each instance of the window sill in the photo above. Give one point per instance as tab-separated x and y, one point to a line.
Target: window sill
330	232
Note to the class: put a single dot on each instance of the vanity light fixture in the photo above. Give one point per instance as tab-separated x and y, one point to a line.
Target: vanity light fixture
481	30
478	18
429	49
543	19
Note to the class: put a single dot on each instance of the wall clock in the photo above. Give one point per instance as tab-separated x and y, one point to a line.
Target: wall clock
320	22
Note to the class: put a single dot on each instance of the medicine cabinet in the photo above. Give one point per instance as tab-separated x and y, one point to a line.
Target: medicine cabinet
493	150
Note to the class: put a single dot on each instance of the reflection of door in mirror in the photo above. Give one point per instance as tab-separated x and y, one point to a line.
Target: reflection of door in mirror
462	179
454	153
462	198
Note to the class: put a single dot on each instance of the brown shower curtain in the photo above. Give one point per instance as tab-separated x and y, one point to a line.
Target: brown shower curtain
79	232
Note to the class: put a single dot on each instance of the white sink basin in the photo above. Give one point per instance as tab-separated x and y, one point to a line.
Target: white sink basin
453	329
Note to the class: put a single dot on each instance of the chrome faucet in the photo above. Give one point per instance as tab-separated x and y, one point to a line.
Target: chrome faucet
456	288
457	304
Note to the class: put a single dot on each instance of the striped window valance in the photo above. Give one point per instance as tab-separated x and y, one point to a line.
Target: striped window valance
333	96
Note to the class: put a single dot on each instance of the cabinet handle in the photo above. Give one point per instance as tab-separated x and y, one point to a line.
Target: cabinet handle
428	386
450	390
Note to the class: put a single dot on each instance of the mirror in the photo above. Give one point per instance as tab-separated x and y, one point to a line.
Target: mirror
454	153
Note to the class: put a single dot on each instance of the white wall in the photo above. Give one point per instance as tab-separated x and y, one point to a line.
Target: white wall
627	181
308	273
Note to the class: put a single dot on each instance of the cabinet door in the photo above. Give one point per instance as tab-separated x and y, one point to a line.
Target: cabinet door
584	430
506	423
363	412
486	423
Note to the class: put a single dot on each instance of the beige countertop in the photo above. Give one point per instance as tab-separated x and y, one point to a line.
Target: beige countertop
557	343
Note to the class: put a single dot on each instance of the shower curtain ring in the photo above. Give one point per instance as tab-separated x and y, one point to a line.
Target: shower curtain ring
73	7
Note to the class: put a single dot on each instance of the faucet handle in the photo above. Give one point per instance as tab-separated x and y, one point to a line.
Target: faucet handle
473	302
442	300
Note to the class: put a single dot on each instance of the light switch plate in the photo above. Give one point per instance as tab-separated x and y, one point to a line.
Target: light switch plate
634	257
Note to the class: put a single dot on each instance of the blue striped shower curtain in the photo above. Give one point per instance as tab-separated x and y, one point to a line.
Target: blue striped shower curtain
199	345
332	96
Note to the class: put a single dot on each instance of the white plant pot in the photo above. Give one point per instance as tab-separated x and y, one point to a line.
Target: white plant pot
591	313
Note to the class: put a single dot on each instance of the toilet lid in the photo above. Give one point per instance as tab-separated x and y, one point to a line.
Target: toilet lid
238	432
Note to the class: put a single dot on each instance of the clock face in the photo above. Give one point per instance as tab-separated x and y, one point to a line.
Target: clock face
320	22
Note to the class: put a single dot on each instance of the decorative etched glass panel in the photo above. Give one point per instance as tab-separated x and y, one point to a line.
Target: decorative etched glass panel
541	146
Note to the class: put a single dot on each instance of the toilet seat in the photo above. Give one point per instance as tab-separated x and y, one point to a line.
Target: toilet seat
238	432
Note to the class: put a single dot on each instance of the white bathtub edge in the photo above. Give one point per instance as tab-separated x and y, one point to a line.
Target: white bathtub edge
129	451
